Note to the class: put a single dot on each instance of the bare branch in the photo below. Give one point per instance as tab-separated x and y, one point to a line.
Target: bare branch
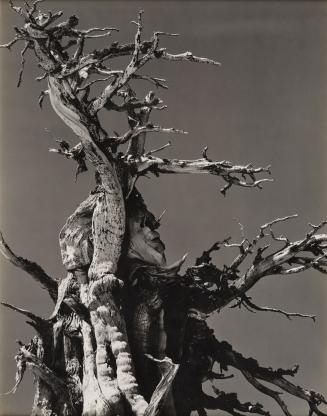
253	372
37	319
203	347
271	223
98	29
139	58
122	79
117	50
205	258
187	56
58	385
137	39
225	170
159	33
272	264
267	391
230	403
86	34
33	8
62	291
236	181
99	56
31	268
102	35
66	151
132	103
158	82
143	129
41	77
80	48
282	261
11	43
76	153
18	10
20	76
42	95
247	301
168	370
137	144
212	289
151	152
20	371
246	247
314	263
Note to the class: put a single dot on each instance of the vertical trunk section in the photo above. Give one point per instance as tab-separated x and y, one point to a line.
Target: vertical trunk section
108	229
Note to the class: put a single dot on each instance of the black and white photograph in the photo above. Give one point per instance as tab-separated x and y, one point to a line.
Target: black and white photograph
163	208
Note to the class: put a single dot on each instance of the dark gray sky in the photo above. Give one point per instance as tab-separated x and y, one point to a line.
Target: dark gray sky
266	104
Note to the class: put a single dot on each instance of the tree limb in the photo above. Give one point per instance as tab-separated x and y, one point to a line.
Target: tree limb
253	371
230	403
267	391
212	289
187	56
39	322
57	385
228	172
246	301
277	263
203	343
232	284
31	268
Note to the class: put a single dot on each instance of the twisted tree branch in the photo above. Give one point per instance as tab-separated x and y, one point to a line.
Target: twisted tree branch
31	268
244	176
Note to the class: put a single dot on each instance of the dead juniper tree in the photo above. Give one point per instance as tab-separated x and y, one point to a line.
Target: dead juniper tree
128	334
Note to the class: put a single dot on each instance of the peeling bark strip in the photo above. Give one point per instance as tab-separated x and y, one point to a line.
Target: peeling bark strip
109	214
168	370
108	228
75	237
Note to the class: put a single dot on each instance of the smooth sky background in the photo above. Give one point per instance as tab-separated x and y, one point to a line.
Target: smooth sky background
265	105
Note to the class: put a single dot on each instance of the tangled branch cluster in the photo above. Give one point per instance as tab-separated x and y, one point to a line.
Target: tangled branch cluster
60	52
